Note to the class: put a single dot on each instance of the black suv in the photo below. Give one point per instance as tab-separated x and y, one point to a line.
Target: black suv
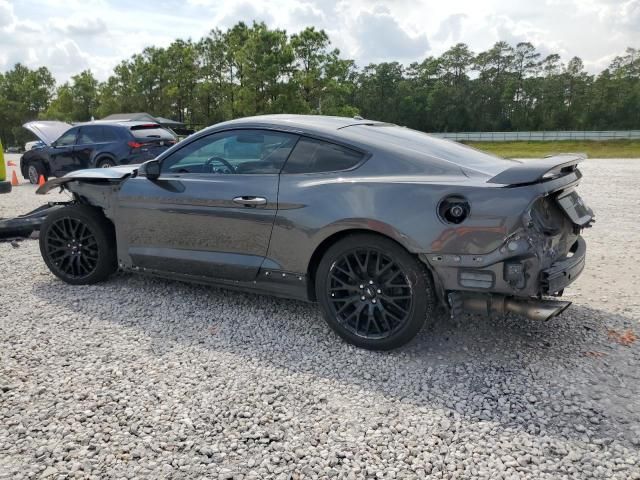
96	144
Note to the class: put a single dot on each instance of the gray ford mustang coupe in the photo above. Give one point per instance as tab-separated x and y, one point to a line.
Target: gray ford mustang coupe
377	223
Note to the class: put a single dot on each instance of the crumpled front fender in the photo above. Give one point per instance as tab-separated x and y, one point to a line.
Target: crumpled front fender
89	175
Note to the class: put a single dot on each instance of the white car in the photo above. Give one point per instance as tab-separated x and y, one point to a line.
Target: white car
31	145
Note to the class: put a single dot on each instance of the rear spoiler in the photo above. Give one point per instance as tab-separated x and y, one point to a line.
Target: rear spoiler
534	171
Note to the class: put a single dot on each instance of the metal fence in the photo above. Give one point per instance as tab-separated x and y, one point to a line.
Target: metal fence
540	136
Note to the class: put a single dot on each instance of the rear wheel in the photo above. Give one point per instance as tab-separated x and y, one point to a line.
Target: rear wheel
374	293
34	170
78	244
106	163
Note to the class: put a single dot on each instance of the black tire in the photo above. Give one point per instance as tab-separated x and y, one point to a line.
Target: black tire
78	244
105	163
35	168
395	295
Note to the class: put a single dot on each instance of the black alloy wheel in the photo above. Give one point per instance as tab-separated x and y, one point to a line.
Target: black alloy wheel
78	244
373	292
72	247
369	293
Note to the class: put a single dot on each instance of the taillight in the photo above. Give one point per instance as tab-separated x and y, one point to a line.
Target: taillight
133	144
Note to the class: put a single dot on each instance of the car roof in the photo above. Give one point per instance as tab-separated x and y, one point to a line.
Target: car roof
318	123
123	123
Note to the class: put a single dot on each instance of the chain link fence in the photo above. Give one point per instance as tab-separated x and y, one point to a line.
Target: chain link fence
540	136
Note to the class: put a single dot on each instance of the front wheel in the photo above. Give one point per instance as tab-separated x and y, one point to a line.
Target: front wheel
373	293
34	171
78	244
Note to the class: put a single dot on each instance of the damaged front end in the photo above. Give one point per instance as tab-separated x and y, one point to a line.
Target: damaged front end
95	187
541	255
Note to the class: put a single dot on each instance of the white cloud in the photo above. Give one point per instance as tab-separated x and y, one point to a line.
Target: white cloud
71	35
630	12
7	17
450	28
77	25
380	37
245	12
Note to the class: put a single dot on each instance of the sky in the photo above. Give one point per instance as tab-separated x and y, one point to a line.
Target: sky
69	36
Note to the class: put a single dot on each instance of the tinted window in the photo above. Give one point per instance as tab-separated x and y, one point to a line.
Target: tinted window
90	134
110	134
427	146
68	138
150	132
238	151
312	155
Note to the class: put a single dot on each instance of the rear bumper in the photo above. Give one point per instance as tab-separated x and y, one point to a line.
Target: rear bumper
5	187
518	273
561	273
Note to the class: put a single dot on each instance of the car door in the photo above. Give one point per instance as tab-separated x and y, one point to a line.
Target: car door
61	153
211	211
90	137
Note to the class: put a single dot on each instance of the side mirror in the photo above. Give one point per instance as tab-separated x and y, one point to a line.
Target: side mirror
152	169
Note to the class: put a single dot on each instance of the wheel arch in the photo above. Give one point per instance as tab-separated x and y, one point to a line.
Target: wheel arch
25	162
332	239
104	156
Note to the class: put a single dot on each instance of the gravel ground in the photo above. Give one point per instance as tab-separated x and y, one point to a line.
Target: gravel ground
145	378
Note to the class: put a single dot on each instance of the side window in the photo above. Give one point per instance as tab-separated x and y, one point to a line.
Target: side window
68	138
90	134
109	134
233	152
314	156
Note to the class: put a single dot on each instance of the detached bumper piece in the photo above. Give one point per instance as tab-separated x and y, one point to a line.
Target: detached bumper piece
23	225
561	273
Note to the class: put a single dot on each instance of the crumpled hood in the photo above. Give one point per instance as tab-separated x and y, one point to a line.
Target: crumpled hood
47	131
105	174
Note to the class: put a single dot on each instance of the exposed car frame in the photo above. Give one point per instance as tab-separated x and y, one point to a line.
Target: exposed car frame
471	232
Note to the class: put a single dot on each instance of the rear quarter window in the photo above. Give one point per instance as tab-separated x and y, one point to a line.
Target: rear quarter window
110	134
315	156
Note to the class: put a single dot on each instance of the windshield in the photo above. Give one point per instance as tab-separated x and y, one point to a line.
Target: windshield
428	146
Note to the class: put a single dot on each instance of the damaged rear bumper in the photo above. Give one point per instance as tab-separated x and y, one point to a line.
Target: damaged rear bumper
562	272
513	269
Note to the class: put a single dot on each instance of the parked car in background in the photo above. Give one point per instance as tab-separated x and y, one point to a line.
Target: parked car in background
90	145
5	185
34	144
379	224
13	150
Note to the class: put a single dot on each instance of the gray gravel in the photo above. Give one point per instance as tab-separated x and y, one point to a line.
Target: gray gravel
145	378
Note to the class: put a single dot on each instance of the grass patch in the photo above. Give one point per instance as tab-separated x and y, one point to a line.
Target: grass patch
594	149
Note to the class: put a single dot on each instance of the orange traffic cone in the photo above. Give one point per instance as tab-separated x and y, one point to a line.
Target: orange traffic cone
14	179
41	180
11	163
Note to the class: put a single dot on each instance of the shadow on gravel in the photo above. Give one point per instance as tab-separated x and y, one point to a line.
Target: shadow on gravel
515	371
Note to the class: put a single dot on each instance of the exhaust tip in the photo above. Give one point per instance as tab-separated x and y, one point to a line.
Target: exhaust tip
559	309
534	309
541	310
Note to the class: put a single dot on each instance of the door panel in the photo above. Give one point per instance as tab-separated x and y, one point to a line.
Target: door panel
61	160
190	223
61	153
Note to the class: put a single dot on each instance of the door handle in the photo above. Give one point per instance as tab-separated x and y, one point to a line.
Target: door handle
249	201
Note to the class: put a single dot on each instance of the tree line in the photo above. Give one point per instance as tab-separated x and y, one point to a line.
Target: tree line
253	69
